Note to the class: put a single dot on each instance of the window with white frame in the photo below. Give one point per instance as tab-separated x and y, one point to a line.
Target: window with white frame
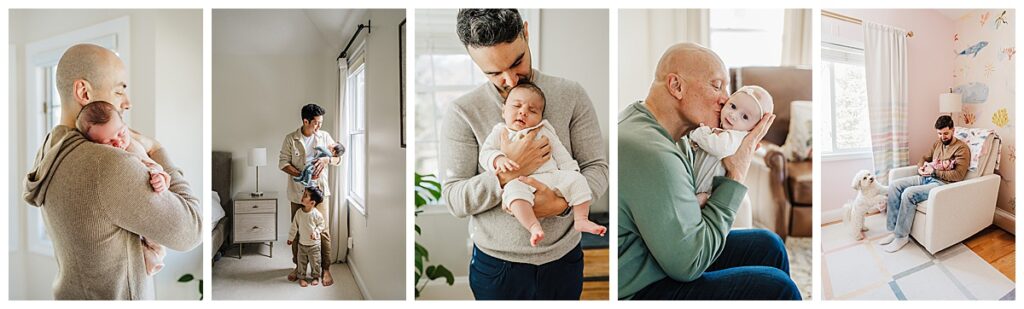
355	111
747	37
42	109
846	128
444	72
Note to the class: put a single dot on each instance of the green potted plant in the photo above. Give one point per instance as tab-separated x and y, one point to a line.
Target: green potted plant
186	278
427	190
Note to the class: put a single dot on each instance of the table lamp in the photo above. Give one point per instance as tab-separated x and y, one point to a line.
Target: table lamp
257	158
950	103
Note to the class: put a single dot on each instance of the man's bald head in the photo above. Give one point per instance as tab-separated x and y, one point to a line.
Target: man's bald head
89	62
688	60
87	73
689	88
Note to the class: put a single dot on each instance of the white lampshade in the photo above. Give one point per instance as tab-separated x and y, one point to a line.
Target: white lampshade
258	157
950	103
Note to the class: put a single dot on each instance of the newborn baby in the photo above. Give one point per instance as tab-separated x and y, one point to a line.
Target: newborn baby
305	178
522	112
101	123
739	115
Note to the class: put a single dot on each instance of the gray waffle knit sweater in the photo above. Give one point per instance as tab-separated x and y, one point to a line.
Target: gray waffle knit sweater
470	191
96	201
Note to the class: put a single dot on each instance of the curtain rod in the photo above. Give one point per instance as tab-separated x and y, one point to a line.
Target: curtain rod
852	20
344	53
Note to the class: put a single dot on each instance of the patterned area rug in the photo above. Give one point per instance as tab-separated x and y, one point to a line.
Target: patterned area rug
861	270
800	261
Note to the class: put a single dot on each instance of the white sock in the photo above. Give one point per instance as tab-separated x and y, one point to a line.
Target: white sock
897	244
887	239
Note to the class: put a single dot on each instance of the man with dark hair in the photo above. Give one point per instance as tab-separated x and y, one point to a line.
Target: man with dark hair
489	27
309	111
298	150
504	264
948	162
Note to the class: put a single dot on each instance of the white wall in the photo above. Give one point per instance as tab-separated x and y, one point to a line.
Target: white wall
180	58
574	45
257	100
378	256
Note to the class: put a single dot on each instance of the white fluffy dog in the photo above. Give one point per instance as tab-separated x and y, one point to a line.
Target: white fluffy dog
870	194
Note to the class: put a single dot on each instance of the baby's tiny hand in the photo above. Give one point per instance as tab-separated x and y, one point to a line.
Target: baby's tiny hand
159	180
505	165
289	242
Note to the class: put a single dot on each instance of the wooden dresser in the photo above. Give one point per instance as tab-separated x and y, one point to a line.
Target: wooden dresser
254	220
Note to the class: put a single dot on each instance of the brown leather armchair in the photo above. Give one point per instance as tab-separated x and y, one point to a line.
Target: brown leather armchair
780	190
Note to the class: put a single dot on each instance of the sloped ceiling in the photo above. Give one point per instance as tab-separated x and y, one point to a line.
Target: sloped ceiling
283	32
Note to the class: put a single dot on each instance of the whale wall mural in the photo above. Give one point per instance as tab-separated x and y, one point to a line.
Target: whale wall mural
983	74
973	93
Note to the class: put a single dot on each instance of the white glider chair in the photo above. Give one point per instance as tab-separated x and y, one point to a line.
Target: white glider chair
956	211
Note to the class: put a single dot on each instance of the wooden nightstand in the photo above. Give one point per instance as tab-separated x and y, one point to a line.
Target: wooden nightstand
254	220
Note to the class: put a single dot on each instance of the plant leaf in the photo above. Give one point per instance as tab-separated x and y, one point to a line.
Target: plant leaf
439	271
186	278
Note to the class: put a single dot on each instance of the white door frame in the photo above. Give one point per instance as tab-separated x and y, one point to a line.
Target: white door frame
113	34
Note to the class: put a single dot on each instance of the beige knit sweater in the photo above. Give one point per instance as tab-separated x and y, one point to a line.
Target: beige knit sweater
96	201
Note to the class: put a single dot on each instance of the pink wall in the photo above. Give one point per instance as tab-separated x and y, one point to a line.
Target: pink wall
929	63
836	191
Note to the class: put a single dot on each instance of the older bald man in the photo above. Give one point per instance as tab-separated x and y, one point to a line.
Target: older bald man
95	199
670	247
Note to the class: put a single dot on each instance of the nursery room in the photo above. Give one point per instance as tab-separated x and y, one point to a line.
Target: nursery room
307	119
762	51
918	146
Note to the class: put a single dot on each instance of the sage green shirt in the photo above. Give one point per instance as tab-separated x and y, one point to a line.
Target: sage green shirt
663	232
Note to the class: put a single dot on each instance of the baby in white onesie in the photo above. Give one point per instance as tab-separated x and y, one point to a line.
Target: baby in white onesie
741	113
522	112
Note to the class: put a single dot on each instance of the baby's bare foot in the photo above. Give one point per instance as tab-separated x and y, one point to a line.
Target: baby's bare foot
303	283
536	234
590	227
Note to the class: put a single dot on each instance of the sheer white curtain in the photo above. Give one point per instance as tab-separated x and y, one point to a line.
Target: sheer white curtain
339	213
796	37
643	37
885	65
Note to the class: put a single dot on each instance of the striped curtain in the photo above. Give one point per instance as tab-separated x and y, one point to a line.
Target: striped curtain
885	65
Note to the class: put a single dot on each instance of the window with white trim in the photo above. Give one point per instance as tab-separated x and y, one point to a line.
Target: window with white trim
355	105
444	72
42	109
847	129
747	37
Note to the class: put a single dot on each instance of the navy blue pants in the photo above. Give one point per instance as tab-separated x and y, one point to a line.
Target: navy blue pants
753	266
492	278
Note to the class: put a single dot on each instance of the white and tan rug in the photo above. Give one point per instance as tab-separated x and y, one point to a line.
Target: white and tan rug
861	270
800	263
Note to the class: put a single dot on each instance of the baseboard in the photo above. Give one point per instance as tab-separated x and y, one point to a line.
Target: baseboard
359	279
1006	221
832	216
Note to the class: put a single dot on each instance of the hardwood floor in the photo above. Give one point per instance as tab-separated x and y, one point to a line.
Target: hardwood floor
998	248
595	265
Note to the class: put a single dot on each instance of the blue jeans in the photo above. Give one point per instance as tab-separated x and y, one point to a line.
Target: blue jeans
492	278
753	266
904	195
